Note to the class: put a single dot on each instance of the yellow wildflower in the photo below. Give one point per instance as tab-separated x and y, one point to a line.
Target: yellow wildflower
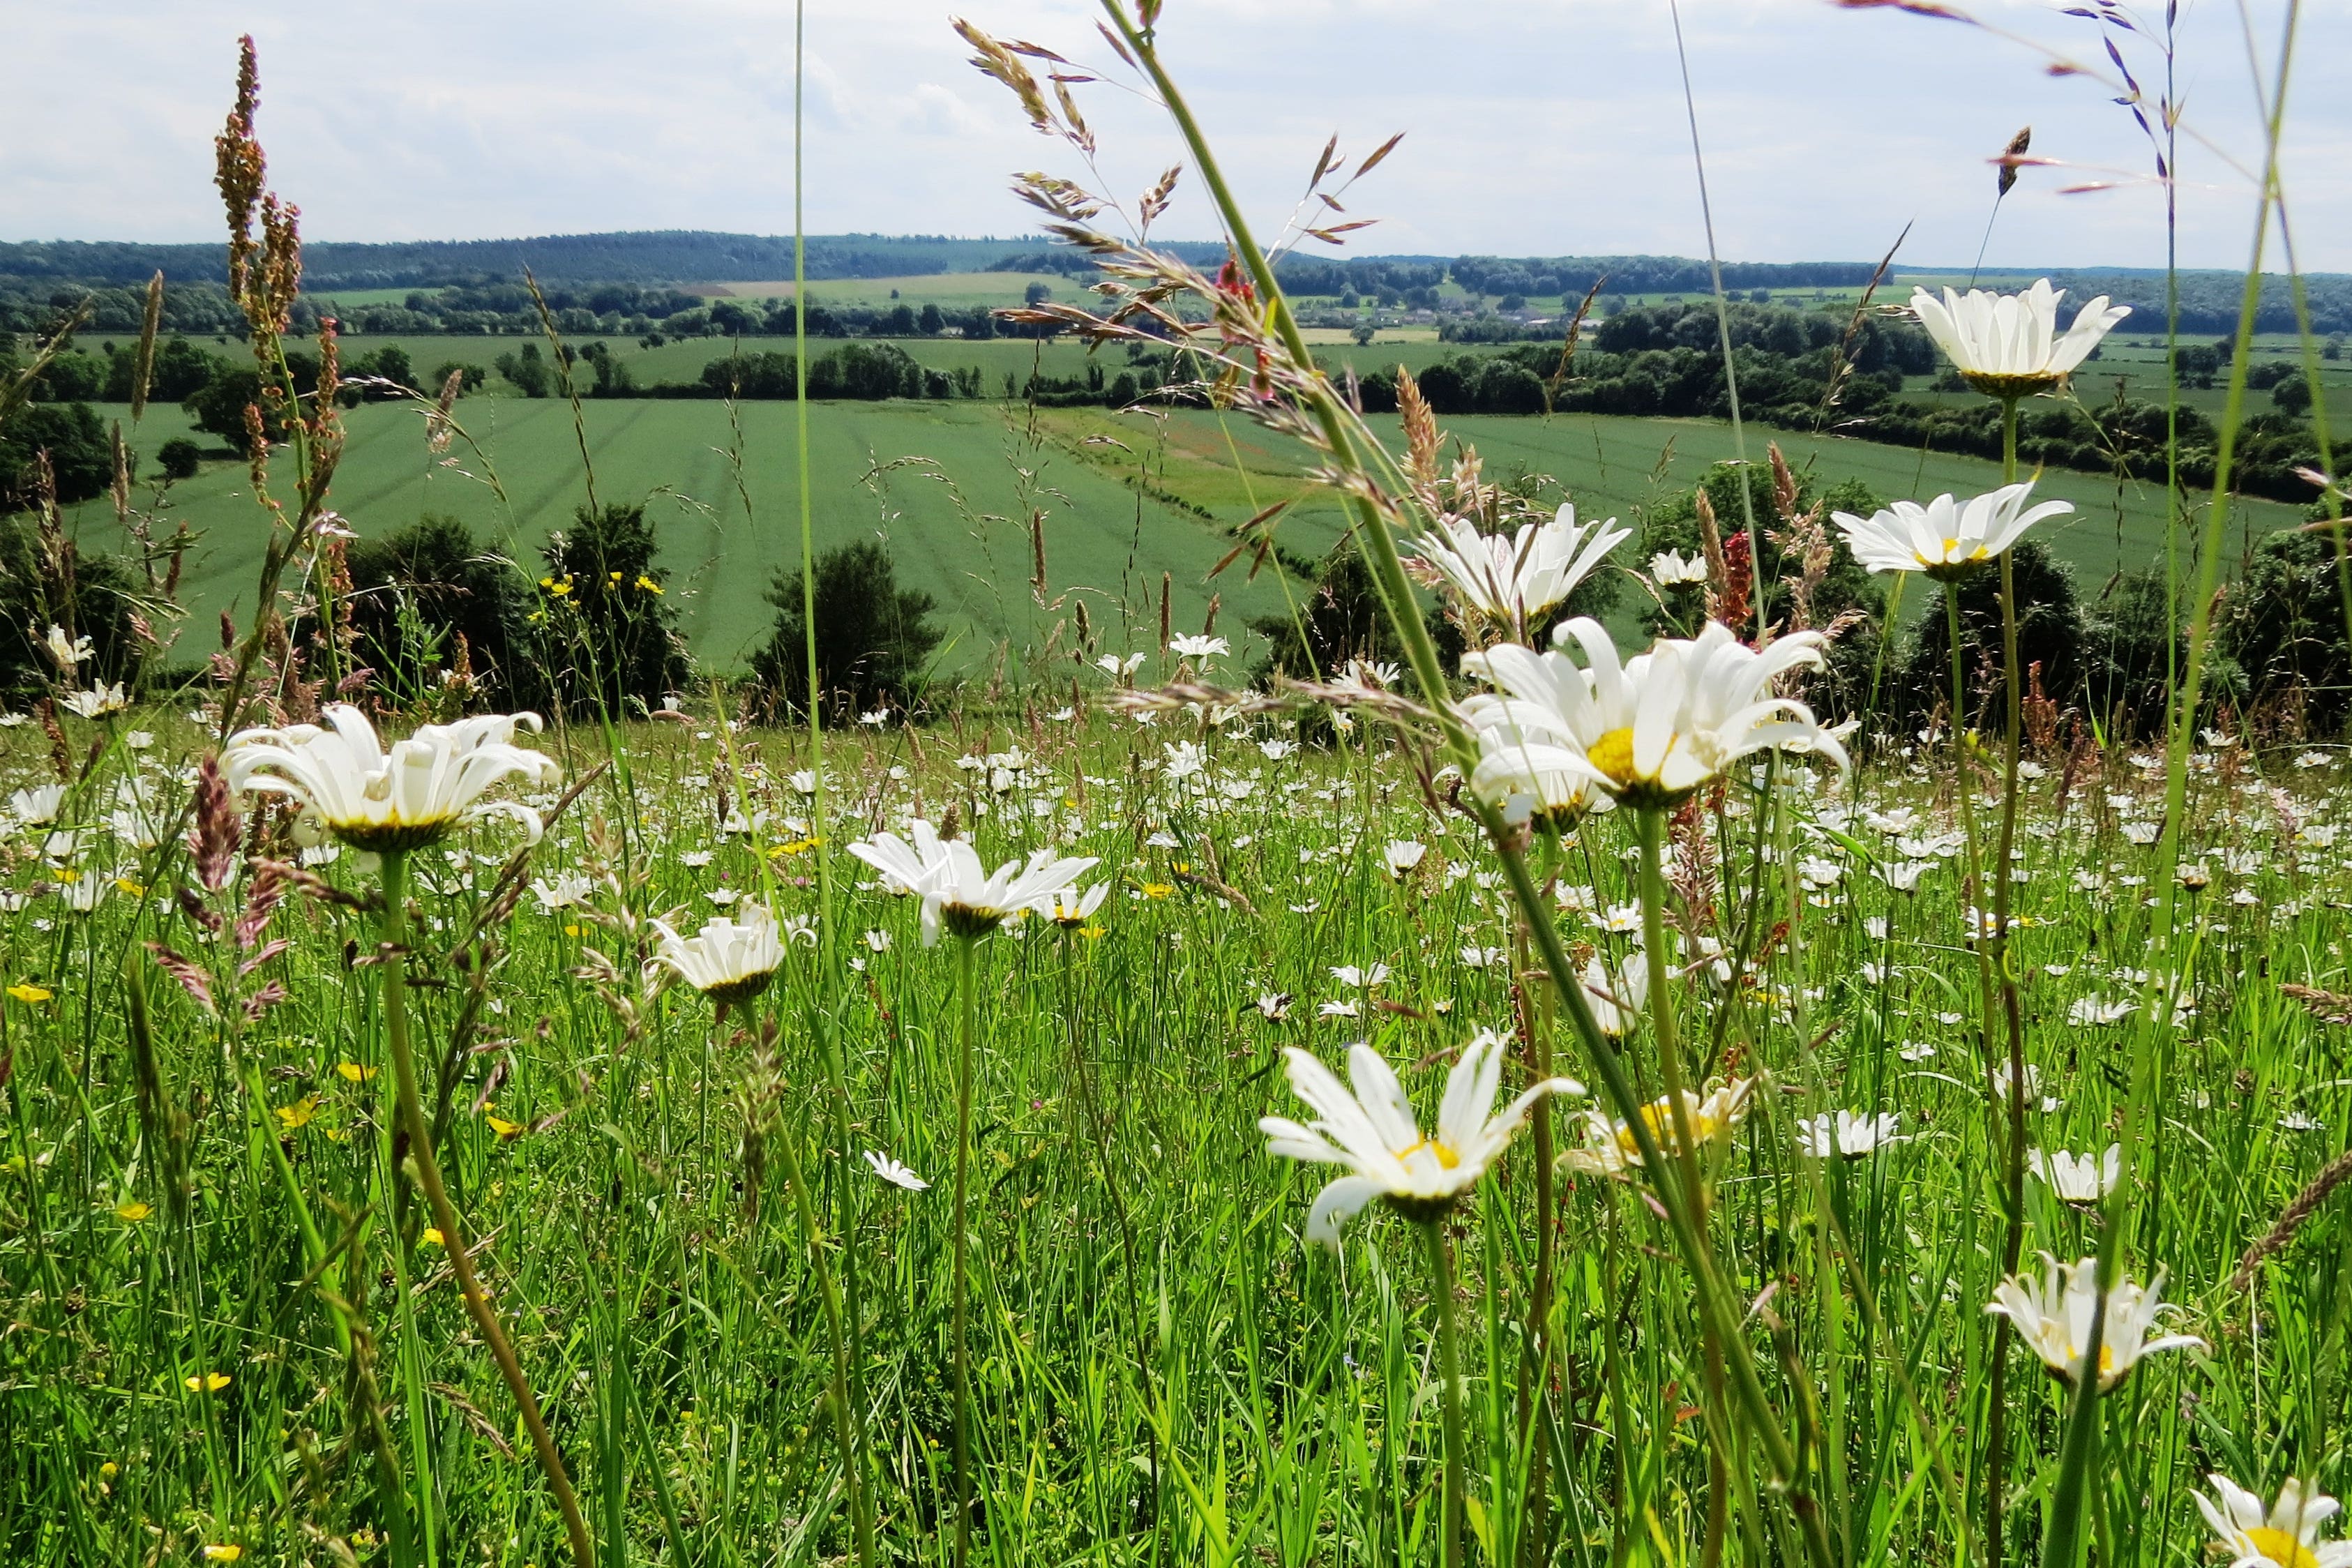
296	1116
354	1073
208	1383
131	1211
32	995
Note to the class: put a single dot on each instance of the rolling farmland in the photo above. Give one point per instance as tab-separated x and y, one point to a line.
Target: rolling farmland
945	483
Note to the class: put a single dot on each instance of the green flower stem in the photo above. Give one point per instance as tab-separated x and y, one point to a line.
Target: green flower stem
1449	1367
392	960
1090	1107
1536	1004
967	985
1651	828
847	1418
1993	949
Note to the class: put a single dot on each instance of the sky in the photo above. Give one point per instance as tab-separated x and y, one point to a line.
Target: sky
1532	127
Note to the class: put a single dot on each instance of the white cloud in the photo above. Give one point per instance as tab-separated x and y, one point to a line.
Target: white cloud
1540	129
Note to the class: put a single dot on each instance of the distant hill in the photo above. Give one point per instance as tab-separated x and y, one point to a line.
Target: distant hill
669	256
32	272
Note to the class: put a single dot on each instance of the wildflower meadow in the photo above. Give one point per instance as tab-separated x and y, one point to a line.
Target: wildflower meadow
1537	1086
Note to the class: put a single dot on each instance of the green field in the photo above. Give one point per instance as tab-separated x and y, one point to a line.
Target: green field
953	508
947	290
1620	467
974	555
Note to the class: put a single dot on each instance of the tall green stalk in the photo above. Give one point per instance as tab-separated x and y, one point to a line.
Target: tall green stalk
1651	828
967	987
1449	1367
847	1418
392	966
1993	947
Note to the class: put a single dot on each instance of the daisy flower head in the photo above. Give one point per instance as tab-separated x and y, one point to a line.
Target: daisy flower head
1946	539
962	896
1367	1125
1531	764
2284	1535
1511	583
2080	1179
1617	999
1670	567
1655	728
729	961
2009	345
1611	1147
1070	908
389	802
1849	1136
95	703
2053	1316
892	1171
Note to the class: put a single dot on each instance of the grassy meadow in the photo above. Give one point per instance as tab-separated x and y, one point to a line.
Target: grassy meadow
667	1134
1161	1370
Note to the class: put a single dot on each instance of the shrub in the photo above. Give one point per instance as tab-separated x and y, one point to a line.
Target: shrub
93	598
1341	620
2049	632
415	592
179	457
2285	628
609	638
873	638
82	464
2132	644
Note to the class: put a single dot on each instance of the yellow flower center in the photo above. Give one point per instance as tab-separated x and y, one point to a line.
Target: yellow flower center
2282	1547
1952	556
1613	754
1446	1157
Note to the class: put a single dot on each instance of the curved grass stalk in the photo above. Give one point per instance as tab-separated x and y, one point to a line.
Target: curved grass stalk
394	932
1347	443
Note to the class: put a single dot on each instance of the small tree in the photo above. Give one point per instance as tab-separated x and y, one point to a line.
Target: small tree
2284	627
414	593
610	642
179	457
873	638
2049	632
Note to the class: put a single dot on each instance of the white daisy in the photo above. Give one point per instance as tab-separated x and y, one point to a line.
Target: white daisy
1369	1129
2053	1316
2007	345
